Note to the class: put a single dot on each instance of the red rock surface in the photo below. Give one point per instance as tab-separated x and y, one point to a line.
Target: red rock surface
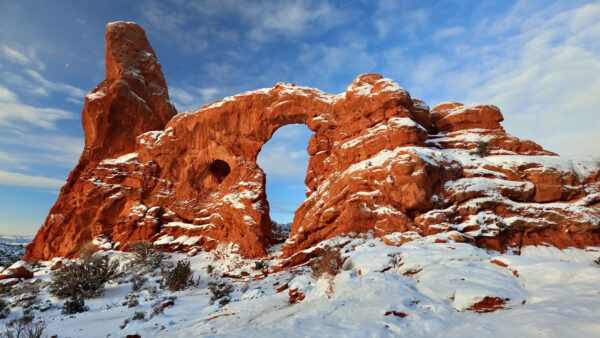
18	270
380	163
488	304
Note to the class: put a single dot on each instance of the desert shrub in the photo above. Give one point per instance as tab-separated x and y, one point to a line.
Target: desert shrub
157	309
220	292
139	315
26	294
329	261
259	265
137	282
396	260
34	263
4	309
482	149
131	300
25	327
146	256
84	277
75	304
210	269
27	288
6	290
178	277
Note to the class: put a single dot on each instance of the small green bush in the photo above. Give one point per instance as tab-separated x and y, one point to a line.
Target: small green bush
210	269
75	304
139	315
137	282
146	256
259	265
329	261
84	277
482	149
220	291
178	277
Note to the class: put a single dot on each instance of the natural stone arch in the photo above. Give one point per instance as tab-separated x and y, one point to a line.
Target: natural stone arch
376	164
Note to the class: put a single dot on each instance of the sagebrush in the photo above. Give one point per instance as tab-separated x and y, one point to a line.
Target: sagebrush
220	292
330	262
85	277
178	277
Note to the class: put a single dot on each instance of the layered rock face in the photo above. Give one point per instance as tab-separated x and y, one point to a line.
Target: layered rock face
381	164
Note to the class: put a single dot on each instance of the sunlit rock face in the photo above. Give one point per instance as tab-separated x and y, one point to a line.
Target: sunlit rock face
381	164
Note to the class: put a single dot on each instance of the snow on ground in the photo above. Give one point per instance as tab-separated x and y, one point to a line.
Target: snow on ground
421	288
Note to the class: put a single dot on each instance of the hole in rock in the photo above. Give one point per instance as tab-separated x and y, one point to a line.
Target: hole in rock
220	169
284	159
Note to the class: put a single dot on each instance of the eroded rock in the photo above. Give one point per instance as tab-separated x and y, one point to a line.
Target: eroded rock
380	163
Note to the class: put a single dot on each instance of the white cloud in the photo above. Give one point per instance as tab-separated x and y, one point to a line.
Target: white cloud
208	94
19	57
43	149
16	179
192	97
15	114
324	61
14	55
550	91
262	21
289	19
448	32
539	64
73	92
163	17
285	159
393	17
280	162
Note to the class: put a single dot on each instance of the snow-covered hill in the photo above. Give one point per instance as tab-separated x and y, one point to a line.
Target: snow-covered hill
421	288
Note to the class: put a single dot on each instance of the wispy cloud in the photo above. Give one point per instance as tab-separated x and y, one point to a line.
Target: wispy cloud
26	58
263	21
539	64
18	115
16	179
55	86
553	81
289	19
285	159
394	16
448	32
192	97
280	162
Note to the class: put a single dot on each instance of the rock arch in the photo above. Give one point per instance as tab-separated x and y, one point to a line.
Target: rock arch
380	163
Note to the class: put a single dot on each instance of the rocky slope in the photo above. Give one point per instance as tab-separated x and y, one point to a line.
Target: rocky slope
381	162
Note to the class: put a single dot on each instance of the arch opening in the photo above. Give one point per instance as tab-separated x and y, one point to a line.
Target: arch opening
284	159
219	169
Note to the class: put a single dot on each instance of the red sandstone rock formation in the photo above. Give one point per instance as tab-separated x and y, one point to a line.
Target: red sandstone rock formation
19	270
380	163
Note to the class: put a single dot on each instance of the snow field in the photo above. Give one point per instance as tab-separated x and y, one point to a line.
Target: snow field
421	288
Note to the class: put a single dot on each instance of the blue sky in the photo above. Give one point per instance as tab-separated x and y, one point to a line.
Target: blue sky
539	61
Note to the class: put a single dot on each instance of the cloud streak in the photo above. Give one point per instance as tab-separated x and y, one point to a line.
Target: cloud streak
15	114
22	180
